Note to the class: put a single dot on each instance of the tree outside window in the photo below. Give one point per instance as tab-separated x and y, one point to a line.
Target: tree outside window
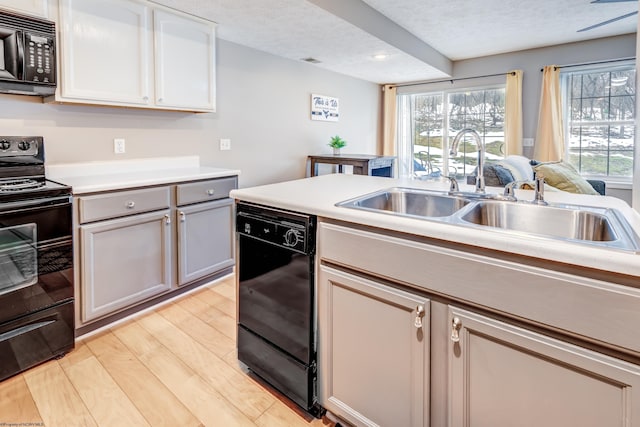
600	108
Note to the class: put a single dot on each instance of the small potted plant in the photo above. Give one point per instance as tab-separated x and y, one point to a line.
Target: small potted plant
337	143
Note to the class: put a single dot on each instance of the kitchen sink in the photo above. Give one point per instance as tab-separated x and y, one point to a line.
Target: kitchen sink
595	226
409	202
565	223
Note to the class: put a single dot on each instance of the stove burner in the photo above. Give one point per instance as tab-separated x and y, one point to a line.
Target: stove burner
20	185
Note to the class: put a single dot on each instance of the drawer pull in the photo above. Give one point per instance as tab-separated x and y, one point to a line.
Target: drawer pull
419	315
456	324
167	219
211	192
183	217
130	204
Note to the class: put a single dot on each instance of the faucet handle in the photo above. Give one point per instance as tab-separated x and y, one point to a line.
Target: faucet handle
454	183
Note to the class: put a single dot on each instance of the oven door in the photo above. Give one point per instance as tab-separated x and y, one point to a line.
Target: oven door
18	257
36	256
276	296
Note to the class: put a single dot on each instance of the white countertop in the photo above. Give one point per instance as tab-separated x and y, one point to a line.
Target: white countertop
318	196
92	177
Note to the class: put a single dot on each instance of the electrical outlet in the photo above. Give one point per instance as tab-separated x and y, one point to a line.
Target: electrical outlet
118	145
225	144
527	142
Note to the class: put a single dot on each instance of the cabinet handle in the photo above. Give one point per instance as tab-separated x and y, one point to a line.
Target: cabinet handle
183	217
456	324
130	204
145	98
167	219
419	315
211	192
160	99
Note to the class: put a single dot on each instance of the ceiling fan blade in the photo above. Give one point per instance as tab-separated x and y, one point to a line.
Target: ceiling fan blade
611	1
609	21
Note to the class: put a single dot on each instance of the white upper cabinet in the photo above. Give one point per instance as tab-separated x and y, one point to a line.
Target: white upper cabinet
184	62
105	51
135	54
31	7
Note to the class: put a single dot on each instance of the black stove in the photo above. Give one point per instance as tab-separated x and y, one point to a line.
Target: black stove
22	173
36	259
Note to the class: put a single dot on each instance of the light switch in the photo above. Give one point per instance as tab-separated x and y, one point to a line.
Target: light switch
527	142
225	144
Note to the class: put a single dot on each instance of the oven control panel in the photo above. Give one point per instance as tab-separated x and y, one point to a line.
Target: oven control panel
12	146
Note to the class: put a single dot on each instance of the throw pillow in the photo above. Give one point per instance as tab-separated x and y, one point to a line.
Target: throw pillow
564	177
520	167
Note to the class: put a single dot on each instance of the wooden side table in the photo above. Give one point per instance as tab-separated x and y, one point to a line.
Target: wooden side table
363	164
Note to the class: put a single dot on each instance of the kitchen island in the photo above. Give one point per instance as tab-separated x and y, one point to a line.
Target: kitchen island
429	323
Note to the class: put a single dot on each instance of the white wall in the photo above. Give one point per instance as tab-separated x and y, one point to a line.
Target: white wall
263	106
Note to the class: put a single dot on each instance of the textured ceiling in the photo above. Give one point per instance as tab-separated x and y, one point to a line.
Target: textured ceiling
457	29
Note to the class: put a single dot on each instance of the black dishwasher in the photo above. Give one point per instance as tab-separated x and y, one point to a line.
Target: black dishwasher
276	300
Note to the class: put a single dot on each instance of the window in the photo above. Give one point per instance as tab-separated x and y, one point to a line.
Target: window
428	122
600	117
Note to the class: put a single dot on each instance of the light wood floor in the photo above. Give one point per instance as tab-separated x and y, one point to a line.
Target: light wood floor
173	366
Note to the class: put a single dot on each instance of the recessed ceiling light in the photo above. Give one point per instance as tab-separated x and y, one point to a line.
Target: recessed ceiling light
380	56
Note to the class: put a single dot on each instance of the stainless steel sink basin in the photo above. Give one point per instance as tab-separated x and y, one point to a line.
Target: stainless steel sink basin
409	202
594	226
564	223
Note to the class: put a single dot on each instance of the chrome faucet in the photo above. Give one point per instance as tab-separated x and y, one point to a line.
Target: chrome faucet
481	148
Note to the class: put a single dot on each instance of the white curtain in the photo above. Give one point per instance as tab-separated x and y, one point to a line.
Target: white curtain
549	145
513	113
388	120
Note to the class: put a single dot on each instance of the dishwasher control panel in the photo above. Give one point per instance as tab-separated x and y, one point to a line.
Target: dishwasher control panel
283	228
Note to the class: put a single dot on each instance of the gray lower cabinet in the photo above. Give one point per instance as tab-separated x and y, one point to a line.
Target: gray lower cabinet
205	239
476	366
124	261
503	375
136	244
374	351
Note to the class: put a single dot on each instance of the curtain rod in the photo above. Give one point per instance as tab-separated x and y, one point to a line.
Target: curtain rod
632	58
451	80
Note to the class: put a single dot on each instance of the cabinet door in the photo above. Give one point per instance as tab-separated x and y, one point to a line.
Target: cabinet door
105	51
374	351
205	239
32	7
124	261
184	62
508	376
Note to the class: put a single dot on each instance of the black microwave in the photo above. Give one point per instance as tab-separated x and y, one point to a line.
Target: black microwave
27	55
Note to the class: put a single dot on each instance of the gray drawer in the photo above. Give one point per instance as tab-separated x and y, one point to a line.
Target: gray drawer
121	203
204	191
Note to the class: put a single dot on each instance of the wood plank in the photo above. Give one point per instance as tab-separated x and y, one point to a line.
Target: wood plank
239	389
77	355
226	288
212	339
56	399
95	387
194	392
281	414
16	403
211	297
200	307
228	307
154	401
